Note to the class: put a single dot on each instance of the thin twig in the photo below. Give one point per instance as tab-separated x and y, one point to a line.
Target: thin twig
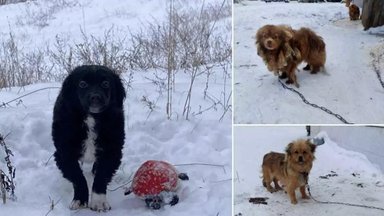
46	163
115	189
7	103
52	205
220	181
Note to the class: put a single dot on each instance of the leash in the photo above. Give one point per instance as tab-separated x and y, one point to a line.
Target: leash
314	105
340	203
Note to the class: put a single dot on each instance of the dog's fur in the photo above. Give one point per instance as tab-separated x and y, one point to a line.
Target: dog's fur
88	124
283	49
291	169
347	3
354	12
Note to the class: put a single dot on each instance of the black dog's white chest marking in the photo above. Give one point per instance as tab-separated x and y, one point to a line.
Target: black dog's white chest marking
89	148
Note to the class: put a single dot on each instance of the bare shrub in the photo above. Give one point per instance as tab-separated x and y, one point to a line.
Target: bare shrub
191	33
4	2
194	41
7	185
19	68
39	13
188	41
61	55
109	50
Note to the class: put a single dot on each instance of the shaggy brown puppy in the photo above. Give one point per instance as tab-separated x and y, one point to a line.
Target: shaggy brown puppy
354	12
291	169
283	49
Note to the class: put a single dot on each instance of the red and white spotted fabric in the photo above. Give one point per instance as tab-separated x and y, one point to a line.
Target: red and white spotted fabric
154	177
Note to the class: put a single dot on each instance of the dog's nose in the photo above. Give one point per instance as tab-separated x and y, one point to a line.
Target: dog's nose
301	159
95	98
269	42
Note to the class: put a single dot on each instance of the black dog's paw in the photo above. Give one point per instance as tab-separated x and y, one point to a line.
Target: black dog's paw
80	198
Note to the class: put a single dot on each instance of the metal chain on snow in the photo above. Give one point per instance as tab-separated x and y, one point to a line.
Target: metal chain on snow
377	69
340	203
314	105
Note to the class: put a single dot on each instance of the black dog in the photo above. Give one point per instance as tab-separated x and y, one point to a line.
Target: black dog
88	125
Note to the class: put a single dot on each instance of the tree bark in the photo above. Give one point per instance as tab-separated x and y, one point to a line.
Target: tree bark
373	13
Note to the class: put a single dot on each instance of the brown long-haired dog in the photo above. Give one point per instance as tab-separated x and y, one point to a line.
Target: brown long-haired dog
354	12
283	49
291	169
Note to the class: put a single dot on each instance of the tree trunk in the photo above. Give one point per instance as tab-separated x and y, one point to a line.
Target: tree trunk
373	13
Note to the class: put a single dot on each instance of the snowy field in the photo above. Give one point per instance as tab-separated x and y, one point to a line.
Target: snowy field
338	175
349	87
200	147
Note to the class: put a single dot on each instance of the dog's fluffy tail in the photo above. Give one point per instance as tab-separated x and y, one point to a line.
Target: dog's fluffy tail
315	41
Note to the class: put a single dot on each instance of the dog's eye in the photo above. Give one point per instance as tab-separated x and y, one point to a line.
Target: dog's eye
296	152
304	152
83	84
105	84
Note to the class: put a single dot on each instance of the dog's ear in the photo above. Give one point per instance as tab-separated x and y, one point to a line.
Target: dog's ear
288	149
68	90
312	146
260	32
257	37
119	90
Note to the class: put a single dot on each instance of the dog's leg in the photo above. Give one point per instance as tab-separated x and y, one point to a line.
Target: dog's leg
303	194
71	170
283	75
307	67
292	79
276	183
315	69
291	192
103	169
267	180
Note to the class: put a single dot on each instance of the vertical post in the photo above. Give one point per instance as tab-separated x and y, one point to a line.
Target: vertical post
372	14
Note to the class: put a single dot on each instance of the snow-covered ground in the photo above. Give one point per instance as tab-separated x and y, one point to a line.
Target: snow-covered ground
202	144
350	138
349	87
337	175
